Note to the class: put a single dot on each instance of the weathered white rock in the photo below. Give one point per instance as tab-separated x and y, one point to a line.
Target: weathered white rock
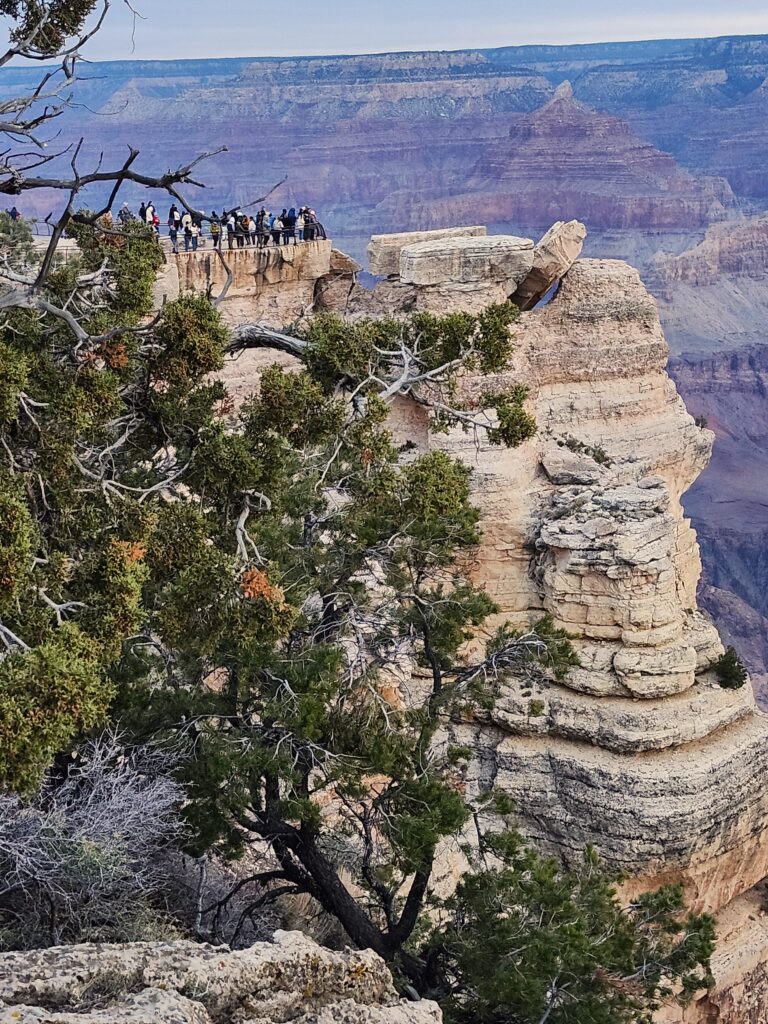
656	672
553	257
621	724
638	753
384	250
566	467
496	259
290	980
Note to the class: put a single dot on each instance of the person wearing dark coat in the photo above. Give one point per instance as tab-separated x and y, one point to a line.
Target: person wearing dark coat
310	226
289	226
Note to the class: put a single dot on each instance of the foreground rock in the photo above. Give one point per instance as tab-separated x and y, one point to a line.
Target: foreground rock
496	259
290	980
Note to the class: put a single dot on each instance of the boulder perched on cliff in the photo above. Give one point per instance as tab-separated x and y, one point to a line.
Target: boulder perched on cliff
495	259
384	250
292	979
553	257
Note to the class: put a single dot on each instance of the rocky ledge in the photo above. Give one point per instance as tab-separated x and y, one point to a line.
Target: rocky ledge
290	980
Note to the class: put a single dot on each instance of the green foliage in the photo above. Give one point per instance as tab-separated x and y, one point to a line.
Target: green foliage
46	696
730	671
48	24
191	339
83	431
571	954
341	350
515	424
17	535
252	583
595	452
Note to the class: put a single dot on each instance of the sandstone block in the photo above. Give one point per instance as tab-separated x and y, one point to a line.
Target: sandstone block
553	257
341	263
496	259
649	672
384	250
566	467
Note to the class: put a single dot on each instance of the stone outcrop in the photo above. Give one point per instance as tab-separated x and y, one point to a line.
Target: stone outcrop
384	250
497	259
639	751
291	980
623	754
553	257
276	284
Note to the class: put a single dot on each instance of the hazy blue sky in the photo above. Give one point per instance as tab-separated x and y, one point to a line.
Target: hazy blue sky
228	28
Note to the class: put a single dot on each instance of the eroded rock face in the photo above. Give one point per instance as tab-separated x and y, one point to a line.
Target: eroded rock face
639	751
276	284
290	980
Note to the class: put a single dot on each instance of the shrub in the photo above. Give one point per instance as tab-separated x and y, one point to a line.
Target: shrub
730	671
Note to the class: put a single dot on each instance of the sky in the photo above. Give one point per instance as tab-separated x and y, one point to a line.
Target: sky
254	28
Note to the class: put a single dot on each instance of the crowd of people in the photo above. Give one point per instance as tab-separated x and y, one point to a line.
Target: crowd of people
239	229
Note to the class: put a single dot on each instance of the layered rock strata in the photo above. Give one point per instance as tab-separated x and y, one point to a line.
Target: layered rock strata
584	522
290	980
639	752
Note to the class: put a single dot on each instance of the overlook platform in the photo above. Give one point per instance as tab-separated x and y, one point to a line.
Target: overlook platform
275	283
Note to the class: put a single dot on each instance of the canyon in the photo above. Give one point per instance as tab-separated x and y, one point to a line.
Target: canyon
660	148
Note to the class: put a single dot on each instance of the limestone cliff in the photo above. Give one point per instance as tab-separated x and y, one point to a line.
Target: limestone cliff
640	752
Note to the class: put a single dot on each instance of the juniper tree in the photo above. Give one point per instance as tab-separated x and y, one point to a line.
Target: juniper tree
527	942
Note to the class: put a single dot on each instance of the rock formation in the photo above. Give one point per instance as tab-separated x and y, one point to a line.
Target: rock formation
553	257
276	284
639	752
290	980
384	251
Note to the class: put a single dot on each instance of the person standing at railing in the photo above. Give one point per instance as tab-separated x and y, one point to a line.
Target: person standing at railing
310	224
289	224
254	231
276	229
173	234
231	231
195	234
215	230
300	224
